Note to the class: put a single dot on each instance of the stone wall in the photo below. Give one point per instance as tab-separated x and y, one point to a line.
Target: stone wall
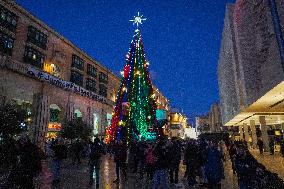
258	51
249	62
227	71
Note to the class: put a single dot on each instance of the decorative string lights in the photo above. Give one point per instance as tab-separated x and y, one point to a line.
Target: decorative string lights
134	114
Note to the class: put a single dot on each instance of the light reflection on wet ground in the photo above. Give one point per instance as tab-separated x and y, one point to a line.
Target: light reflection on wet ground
77	177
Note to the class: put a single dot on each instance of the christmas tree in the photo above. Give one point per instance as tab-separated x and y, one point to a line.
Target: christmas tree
134	115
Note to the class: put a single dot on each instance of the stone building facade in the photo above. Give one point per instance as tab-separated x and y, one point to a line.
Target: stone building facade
250	68
211	122
51	76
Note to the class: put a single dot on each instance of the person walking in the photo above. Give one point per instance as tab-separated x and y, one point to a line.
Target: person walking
96	151
214	167
271	146
260	145
161	165
282	148
175	157
59	153
150	161
77	149
243	168
232	154
120	154
28	165
191	158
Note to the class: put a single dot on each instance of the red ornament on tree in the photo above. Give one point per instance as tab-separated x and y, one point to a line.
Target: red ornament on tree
126	71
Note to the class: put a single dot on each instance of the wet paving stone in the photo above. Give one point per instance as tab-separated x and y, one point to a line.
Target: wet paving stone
77	177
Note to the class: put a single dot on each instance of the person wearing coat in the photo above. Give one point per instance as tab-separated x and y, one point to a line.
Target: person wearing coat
214	167
120	155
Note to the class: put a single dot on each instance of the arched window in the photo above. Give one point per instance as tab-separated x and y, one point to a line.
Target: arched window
96	124
54	111
78	114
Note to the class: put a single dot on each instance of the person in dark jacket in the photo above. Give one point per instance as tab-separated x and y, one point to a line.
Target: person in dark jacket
244	167
27	167
271	145
120	155
150	161
175	157
260	145
233	153
282	148
133	151
191	159
161	165
214	167
77	149
96	151
59	153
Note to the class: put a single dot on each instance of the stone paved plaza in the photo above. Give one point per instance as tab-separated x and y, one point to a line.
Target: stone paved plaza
274	163
76	177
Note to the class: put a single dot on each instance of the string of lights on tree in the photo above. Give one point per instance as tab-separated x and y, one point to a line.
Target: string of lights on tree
134	115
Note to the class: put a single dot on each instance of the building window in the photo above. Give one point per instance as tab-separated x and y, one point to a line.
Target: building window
91	85
33	57
37	37
78	114
54	111
91	70
77	62
6	44
103	78
76	78
103	90
8	19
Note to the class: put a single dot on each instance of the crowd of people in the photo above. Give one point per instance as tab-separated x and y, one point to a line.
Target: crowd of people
160	162
250	173
157	162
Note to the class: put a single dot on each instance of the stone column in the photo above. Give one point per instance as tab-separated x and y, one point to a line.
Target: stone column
103	122
40	119
70	111
253	133
88	118
246	132
241	132
264	134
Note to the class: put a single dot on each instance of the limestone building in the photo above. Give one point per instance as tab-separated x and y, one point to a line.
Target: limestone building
53	79
250	69
211	122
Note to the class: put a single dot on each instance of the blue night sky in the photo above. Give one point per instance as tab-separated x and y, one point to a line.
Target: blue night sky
181	39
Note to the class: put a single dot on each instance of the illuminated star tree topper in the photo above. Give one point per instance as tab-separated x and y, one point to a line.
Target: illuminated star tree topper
138	20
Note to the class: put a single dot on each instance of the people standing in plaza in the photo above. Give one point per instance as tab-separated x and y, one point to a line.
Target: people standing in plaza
260	145
161	165
59	153
96	151
120	155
